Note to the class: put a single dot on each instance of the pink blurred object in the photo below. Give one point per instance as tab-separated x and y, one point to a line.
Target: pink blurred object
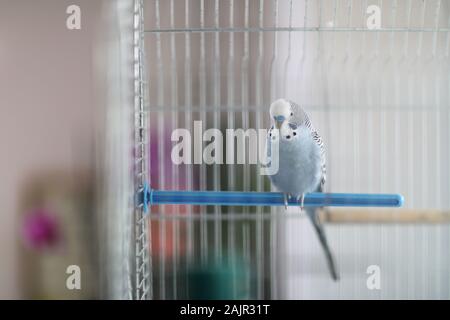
40	230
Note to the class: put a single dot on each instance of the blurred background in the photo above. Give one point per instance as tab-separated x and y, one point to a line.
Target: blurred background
87	116
46	133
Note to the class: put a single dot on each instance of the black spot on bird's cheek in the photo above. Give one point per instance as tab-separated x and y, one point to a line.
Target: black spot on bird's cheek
288	137
295	133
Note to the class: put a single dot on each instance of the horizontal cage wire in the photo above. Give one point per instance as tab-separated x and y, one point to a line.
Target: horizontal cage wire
379	98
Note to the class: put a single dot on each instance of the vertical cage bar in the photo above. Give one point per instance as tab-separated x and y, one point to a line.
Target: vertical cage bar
259	183
412	201
217	124
422	22
231	125
355	105
319	25
305	24
397	153
202	98
436	26
273	73
161	152
364	35
408	24
245	93
335	6
438	199
377	45
175	173
349	23
288	57
246	256
188	125
273	222
424	161
245	88
447	45
231	91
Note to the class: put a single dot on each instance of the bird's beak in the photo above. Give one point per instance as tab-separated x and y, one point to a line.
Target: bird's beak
278	121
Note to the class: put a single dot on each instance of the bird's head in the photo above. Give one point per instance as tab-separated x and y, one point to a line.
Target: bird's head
280	111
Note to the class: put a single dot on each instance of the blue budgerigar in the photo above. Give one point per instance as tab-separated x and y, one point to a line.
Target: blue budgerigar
301	161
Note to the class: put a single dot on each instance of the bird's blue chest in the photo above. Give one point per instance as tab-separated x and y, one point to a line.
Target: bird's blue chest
299	169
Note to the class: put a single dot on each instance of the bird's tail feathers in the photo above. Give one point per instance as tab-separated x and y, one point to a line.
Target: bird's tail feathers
312	214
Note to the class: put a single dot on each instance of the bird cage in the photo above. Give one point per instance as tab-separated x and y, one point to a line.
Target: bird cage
374	77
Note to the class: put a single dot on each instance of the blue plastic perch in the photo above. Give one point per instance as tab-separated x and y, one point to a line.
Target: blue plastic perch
229	198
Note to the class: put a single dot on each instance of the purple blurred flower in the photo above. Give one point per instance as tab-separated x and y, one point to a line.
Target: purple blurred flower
40	229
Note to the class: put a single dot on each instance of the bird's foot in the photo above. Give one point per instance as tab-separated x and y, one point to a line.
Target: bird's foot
301	199
287	197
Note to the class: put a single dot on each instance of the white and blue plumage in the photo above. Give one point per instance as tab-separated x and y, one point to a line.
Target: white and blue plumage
301	162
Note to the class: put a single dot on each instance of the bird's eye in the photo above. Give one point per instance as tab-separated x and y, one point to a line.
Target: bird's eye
270	134
294	133
292	113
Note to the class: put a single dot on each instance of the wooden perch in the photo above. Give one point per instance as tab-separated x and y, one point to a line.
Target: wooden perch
374	215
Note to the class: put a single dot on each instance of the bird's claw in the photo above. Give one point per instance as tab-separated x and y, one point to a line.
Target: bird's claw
301	199
287	197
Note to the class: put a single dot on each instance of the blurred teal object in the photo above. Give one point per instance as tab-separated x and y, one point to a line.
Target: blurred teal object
219	281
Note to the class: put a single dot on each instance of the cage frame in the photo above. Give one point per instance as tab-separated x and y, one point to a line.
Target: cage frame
142	202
